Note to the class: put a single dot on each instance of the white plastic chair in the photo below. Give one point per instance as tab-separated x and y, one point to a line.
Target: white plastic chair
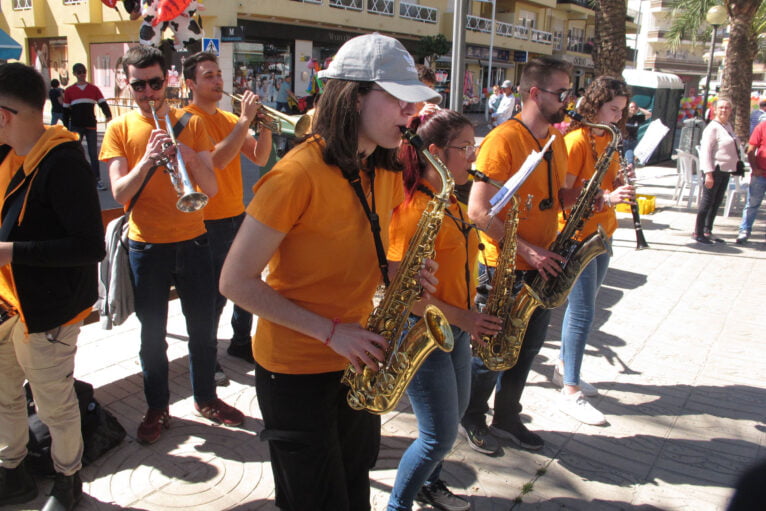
688	177
737	186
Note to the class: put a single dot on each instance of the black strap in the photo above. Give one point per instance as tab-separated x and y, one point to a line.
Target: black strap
548	156
177	129
372	216
733	137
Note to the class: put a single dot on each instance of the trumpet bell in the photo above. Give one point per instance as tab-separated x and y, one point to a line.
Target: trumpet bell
192	202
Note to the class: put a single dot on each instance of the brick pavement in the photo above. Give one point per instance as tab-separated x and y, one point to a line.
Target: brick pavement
674	352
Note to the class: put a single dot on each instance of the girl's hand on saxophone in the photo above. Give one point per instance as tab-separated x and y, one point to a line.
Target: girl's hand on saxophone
358	345
428	279
478	324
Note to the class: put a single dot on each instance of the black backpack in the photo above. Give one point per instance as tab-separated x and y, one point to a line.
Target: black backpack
100	431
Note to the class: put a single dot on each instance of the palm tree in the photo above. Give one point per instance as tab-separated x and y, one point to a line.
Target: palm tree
746	21
609	52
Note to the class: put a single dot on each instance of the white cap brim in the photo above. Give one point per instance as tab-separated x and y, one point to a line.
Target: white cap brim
411	91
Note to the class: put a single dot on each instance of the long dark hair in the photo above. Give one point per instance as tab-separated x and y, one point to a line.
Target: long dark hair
600	91
337	121
440	129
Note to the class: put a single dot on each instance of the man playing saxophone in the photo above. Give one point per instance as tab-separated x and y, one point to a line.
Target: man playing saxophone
320	219
167	246
225	212
545	91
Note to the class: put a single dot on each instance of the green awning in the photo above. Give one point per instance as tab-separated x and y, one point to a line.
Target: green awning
9	49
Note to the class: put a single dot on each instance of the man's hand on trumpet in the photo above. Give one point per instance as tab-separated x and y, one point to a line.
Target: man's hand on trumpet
160	147
250	105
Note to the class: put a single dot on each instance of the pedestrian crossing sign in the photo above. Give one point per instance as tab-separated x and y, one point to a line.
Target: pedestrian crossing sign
211	45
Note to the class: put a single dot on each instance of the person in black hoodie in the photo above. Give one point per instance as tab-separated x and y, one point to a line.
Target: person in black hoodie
51	241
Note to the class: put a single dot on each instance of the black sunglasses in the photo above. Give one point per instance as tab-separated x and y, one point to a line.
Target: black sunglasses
154	83
9	109
563	95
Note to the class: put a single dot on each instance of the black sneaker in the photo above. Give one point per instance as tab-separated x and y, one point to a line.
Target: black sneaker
742	237
65	494
439	496
16	485
518	434
243	351
480	439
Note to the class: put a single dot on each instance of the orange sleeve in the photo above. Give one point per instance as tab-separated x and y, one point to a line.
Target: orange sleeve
280	197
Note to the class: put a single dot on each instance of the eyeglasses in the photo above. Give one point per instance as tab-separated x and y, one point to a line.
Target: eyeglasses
9	109
154	83
563	95
469	150
402	104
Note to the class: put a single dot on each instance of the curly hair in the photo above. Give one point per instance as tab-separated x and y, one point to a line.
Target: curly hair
440	128
600	91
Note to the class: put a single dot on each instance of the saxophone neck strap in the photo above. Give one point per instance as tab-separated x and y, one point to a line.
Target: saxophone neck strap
548	157
372	215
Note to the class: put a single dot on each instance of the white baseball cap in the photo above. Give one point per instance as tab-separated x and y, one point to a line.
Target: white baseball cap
507	84
383	60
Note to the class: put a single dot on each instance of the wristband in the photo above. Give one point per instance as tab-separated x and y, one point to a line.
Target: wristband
335	322
608	199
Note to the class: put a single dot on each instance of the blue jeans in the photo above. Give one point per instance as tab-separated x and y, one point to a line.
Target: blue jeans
754	198
91	137
579	315
56	117
629	146
187	265
439	396
221	234
509	384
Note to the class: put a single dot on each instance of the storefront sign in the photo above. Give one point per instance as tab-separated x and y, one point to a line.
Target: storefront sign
232	34
482	52
578	61
519	56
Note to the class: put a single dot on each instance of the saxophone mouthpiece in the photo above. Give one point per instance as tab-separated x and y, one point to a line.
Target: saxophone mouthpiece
411	137
574	115
478	175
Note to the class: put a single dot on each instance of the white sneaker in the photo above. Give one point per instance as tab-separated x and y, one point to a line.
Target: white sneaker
576	406
586	388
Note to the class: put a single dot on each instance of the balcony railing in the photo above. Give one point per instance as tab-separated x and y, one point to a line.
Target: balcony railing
484	25
478	24
353	5
318	2
557	39
74	2
520	32
22	5
384	7
539	36
417	12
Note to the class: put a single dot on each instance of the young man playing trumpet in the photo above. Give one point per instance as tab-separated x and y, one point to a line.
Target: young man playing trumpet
167	246
225	212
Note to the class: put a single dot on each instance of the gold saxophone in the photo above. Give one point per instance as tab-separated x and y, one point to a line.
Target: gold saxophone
501	351
577	254
379	392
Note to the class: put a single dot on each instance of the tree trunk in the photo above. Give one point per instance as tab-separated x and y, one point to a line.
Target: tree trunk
737	79
609	52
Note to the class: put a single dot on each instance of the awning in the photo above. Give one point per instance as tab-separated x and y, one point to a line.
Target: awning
9	49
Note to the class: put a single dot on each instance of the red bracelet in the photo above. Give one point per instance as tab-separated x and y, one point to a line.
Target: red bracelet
335	322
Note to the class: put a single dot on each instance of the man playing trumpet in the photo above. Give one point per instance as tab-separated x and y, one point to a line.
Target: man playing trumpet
225	212
167	246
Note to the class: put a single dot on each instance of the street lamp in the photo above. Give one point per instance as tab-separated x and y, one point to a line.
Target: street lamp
716	16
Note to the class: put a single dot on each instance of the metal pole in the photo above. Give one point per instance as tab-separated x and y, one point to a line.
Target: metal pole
458	56
489	64
709	72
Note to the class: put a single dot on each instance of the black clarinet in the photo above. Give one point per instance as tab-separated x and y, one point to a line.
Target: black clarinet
640	240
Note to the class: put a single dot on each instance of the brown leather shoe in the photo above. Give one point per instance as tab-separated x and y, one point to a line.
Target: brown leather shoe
220	413
152	425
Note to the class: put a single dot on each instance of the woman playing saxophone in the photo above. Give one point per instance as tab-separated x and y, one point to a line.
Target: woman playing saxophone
439	390
605	101
307	222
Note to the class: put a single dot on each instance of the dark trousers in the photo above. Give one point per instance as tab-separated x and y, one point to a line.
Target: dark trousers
91	137
321	450
509	384
188	266
221	234
711	201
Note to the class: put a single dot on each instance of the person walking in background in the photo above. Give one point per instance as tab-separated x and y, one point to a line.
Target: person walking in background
719	154
636	117
756	155
284	93
51	242
605	101
545	91
439	390
507	106
224	212
166	246
80	100
56	96
758	115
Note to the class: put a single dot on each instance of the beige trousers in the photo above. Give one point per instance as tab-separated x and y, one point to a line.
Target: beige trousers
47	361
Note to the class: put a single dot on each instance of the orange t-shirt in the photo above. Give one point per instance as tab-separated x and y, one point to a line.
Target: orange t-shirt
502	153
327	261
228	201
582	165
453	251
155	218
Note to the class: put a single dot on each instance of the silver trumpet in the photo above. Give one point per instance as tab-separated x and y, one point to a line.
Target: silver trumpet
189	199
